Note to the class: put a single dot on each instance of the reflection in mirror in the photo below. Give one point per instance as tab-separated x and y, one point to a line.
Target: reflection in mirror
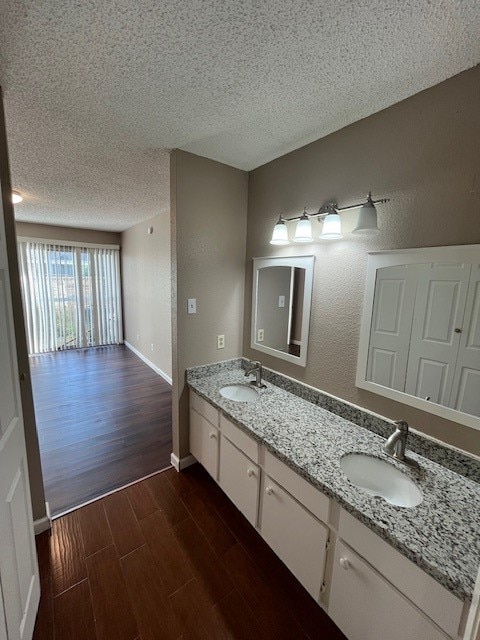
281	306
424	330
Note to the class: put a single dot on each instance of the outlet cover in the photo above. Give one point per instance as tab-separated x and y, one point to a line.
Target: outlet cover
260	335
191	306
281	301
221	342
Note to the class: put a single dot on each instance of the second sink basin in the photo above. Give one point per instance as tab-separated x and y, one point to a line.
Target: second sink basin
378	478
239	393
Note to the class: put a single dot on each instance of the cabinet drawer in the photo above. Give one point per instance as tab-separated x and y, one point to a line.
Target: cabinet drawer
204	442
367	607
303	491
205	409
239	438
239	477
436	601
295	535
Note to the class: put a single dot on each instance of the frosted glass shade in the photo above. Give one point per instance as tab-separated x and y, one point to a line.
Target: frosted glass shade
280	233
16	197
332	227
303	231
367	220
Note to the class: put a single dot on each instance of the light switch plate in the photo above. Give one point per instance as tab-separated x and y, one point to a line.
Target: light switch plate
191	306
221	342
281	301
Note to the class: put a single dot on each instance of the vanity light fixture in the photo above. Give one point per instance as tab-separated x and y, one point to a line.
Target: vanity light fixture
332	225
280	232
303	231
16	197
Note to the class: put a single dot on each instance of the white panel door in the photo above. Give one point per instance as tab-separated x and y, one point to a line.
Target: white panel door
366	607
439	311
19	579
391	325
466	384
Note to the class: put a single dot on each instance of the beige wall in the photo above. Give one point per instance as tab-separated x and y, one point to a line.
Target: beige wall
209	203
146	281
65	234
424	153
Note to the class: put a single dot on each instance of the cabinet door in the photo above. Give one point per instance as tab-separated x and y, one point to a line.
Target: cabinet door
239	477
295	535
204	442
439	310
366	607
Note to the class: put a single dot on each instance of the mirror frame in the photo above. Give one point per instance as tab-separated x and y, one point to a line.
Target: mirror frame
301	262
470	254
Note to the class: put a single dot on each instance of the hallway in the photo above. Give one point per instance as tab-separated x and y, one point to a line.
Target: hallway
169	558
103	421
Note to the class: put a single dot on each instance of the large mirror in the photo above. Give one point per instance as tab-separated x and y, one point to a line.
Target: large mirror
420	336
282	293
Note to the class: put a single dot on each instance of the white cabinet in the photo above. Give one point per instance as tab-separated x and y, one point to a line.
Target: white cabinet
204	442
295	535
239	477
366	607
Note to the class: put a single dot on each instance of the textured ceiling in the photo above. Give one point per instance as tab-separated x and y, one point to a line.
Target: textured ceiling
97	92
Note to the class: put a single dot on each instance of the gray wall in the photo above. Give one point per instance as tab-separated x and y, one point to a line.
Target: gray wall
209	204
424	153
146	280
65	234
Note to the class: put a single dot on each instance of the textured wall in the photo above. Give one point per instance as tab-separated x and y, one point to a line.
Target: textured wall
424	153
66	234
209	204
146	281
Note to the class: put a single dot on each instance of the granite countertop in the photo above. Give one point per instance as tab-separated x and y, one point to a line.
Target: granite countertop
440	535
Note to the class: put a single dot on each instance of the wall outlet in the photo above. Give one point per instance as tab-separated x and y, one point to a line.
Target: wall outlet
260	335
191	306
221	342
152	347
281	301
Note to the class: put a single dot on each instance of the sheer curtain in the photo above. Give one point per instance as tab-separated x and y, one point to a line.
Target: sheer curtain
71	295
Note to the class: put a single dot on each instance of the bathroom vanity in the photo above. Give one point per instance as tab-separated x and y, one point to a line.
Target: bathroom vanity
379	570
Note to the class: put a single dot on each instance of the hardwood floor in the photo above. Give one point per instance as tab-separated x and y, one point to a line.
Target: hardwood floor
104	419
169	558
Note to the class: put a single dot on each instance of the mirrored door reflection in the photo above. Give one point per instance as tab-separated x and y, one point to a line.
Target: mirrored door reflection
280	298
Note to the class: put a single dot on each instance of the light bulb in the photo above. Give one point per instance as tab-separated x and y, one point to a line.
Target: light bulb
332	227
16	197
280	233
303	231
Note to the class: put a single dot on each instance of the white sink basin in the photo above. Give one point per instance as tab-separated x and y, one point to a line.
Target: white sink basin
239	393
378	478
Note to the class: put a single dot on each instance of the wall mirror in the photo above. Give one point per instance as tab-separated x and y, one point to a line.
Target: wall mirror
420	335
281	299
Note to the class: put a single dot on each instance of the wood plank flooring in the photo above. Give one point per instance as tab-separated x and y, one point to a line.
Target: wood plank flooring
170	558
104	419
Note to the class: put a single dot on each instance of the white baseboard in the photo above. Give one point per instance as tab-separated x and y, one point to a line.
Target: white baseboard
147	362
43	524
182	463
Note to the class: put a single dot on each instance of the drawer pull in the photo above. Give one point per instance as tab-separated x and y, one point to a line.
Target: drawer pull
345	563
212	434
269	491
250	473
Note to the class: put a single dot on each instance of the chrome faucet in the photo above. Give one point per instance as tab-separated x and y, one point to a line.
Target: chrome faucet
396	444
254	366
